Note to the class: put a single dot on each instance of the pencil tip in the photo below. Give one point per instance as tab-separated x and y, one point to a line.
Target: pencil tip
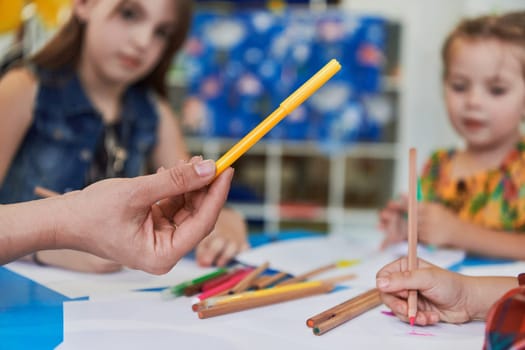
412	321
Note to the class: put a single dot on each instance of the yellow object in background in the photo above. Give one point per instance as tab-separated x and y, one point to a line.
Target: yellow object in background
53	12
10	14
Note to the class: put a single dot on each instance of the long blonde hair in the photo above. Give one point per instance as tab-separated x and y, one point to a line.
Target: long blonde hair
507	28
65	47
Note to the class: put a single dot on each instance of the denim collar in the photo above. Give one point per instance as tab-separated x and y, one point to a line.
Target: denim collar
75	101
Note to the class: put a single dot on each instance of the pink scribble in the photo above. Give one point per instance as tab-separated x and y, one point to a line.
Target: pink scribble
422	334
388	313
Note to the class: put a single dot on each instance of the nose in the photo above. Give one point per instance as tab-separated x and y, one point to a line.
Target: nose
474	96
142	36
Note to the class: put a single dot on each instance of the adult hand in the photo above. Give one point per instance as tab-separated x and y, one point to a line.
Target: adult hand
147	222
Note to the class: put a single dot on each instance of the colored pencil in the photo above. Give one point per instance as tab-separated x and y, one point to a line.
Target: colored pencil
250	303
344	312
317	271
412	231
222	279
269	280
228	299
178	289
195	287
223	288
333	311
285	108
247	281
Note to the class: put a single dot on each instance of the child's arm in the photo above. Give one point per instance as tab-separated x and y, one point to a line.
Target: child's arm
439	226
17	95
230	234
483	241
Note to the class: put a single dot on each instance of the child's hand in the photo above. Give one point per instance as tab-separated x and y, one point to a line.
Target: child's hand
77	261
437	225
442	295
227	239
393	223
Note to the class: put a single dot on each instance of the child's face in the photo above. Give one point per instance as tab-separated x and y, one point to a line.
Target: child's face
485	91
125	39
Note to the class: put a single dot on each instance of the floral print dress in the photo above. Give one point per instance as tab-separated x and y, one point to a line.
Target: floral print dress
493	198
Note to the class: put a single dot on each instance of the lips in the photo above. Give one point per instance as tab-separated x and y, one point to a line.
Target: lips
129	61
473	124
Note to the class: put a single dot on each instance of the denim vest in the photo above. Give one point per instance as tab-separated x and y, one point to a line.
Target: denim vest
59	146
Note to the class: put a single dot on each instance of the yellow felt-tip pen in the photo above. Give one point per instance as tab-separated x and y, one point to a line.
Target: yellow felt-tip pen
275	291
286	107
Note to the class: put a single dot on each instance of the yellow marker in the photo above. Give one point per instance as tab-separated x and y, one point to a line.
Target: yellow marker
259	293
287	106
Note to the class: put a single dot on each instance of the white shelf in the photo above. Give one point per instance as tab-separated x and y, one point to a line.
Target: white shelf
375	150
272	211
344	217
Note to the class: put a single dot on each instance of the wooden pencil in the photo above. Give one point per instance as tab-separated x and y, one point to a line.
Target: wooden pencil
195	287
269	280
224	278
337	279
223	288
306	275
333	311
359	305
250	303
412	231
247	281
255	294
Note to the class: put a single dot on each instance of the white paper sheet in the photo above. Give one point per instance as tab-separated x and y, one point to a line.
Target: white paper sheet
143	320
303	255
76	284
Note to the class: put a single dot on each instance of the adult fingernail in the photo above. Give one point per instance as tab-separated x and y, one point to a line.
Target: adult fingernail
205	168
382	282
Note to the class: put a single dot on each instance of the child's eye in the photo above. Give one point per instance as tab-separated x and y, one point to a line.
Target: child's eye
163	33
128	13
497	90
458	87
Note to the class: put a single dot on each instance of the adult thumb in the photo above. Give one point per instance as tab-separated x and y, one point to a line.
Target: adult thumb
177	180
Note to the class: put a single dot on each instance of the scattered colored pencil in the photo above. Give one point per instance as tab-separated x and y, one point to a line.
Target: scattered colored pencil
178	290
339	314
240	305
317	271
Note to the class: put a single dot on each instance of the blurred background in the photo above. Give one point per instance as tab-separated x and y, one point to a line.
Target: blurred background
334	162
